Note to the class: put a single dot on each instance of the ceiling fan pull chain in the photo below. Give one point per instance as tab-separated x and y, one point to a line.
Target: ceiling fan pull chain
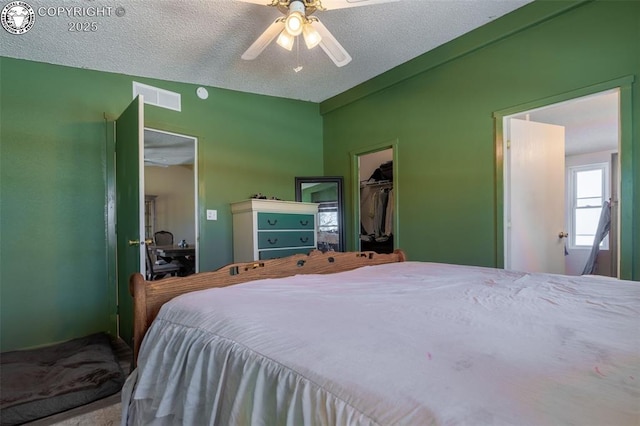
299	67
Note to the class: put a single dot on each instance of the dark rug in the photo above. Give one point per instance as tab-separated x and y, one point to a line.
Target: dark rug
40	382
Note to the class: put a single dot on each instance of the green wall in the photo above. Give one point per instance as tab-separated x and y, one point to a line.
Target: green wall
56	153
440	108
56	277
320	192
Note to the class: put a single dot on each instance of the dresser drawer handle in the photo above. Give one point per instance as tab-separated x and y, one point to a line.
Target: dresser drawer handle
272	242
304	222
274	222
304	239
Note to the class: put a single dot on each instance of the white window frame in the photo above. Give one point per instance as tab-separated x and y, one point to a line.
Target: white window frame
572	172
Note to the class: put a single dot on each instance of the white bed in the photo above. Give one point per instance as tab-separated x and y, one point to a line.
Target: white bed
407	343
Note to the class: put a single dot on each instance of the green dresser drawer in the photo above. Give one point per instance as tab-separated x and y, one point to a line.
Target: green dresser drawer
274	254
285	221
279	239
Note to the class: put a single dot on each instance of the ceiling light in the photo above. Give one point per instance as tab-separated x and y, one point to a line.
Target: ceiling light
294	23
311	36
296	18
285	40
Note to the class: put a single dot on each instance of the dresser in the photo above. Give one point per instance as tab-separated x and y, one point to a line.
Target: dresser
267	229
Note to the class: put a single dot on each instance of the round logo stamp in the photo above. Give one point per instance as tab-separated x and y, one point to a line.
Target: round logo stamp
17	17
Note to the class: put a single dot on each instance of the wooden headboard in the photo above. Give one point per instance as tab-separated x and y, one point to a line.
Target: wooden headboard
149	296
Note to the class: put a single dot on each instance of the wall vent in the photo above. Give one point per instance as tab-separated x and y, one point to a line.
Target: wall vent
158	97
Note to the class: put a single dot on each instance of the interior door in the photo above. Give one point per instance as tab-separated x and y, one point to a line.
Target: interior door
130	245
535	204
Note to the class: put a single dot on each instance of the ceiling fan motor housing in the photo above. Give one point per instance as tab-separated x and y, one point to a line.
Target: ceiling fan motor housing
297	6
307	6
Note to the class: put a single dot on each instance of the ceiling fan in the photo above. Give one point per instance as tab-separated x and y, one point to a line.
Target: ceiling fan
298	20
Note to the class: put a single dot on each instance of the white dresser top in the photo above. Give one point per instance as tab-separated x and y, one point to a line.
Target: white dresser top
274	206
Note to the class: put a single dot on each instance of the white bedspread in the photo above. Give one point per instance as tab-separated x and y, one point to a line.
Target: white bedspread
398	344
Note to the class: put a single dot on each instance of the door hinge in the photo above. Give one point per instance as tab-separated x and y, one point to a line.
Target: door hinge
508	143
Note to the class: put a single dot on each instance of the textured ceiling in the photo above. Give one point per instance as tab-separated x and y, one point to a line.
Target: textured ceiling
201	41
162	149
591	122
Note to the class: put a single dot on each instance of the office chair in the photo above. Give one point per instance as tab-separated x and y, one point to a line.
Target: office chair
155	271
164	238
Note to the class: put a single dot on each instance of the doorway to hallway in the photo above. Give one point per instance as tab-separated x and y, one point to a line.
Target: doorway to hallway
561	177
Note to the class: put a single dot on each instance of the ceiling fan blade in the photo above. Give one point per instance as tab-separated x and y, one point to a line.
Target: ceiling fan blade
263	41
342	4
330	45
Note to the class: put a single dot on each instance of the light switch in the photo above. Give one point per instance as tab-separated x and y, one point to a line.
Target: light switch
212	214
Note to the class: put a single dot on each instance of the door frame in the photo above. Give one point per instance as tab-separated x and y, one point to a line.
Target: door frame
196	198
625	165
355	191
110	207
110	220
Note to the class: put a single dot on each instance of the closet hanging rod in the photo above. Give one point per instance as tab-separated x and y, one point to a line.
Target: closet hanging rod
376	183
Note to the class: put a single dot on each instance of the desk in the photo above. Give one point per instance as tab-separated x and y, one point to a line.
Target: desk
175	251
184	255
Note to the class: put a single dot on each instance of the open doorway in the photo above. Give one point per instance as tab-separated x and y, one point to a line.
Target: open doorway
376	199
569	150
170	190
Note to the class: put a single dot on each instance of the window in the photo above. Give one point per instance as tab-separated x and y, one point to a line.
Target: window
588	189
149	216
328	217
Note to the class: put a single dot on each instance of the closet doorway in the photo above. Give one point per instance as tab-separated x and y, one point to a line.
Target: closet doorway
376	199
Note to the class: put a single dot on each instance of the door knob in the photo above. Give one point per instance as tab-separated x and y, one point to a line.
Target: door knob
563	235
137	242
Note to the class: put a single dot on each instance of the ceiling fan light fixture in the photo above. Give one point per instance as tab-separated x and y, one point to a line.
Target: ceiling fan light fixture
295	18
294	23
311	37
285	40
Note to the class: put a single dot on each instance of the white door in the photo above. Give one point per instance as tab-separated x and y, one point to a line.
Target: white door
534	197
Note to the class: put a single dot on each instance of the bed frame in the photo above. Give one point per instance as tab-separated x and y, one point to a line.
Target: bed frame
149	296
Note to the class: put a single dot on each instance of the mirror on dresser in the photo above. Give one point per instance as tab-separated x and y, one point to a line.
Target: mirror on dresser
327	192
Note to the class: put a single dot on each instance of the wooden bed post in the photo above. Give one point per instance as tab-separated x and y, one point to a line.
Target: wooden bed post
137	285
